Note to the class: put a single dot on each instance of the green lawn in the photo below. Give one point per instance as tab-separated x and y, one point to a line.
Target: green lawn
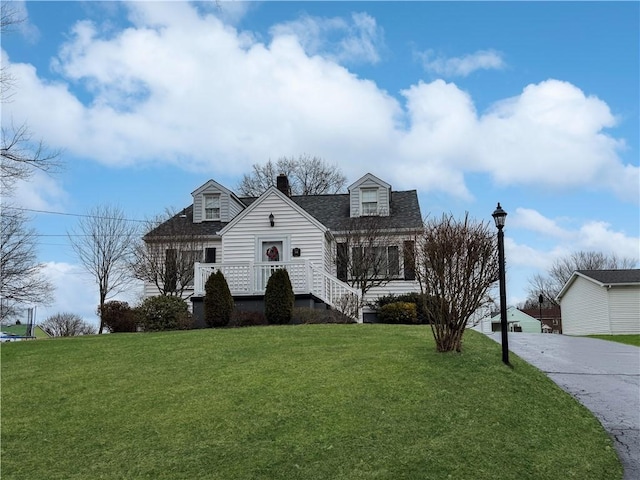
295	402
628	339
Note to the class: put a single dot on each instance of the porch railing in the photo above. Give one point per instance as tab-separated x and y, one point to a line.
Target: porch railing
250	278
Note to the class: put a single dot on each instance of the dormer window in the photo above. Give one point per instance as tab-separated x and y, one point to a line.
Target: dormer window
369	198
211	207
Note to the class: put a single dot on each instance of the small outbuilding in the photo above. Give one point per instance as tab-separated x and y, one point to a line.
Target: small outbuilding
517	321
601	302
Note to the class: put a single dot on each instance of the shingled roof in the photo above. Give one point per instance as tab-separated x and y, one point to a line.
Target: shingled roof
604	278
613	277
333	210
330	210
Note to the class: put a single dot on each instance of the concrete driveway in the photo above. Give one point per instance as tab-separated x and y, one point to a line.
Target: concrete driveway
604	376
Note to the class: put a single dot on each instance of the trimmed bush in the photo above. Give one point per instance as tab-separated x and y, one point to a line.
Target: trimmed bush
306	315
218	301
118	317
279	298
398	312
424	304
164	313
247	319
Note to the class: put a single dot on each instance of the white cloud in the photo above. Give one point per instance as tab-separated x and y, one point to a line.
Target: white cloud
533	220
590	235
461	66
208	97
553	134
357	41
599	236
76	292
41	192
17	13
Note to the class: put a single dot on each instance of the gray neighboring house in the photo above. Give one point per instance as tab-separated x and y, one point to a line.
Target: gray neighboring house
249	238
601	302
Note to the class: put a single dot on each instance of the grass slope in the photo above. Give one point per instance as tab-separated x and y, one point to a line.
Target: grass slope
303	402
631	339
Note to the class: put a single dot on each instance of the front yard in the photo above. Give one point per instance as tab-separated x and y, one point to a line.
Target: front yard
294	402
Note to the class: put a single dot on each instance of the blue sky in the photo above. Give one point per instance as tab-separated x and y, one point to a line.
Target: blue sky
534	105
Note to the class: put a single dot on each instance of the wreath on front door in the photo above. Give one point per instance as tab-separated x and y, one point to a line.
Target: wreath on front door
272	254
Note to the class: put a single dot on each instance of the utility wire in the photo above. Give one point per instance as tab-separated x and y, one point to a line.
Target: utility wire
75	214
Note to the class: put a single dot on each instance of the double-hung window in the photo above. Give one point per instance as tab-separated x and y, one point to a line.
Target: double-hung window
369	200
212	207
375	262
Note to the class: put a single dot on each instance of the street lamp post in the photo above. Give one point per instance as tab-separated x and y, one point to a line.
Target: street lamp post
499	215
540	300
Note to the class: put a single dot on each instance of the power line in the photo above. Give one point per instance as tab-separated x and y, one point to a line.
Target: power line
75	214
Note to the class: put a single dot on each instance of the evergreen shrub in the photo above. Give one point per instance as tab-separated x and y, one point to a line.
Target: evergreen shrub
279	298
398	312
218	301
164	313
118	317
425	304
241	318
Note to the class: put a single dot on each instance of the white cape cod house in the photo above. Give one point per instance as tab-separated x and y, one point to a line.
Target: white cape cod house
313	237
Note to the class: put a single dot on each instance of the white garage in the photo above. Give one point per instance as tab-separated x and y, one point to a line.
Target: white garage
601	302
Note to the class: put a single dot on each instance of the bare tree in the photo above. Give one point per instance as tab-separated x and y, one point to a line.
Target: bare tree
103	241
20	157
67	325
165	255
20	154
549	285
21	278
456	266
307	176
9	17
368	253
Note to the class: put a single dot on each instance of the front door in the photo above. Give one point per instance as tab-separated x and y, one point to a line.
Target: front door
272	251
272	254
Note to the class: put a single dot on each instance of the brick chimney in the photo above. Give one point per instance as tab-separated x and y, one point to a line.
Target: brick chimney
282	182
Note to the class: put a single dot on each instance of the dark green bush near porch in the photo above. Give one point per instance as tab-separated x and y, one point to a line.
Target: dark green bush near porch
398	312
118	317
310	316
164	313
218	301
241	318
279	298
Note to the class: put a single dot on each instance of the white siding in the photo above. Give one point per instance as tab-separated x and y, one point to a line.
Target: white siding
383	197
624	309
150	289
585	309
329	256
240	242
394	287
234	209
197	209
229	207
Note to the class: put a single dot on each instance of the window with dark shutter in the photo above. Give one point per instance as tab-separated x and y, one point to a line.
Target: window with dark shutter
209	255
393	262
409	260
342	260
170	270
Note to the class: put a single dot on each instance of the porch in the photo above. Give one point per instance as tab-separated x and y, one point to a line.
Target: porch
249	279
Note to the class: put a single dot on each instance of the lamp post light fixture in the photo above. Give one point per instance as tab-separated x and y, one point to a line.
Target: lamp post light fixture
499	216
540	300
272	219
